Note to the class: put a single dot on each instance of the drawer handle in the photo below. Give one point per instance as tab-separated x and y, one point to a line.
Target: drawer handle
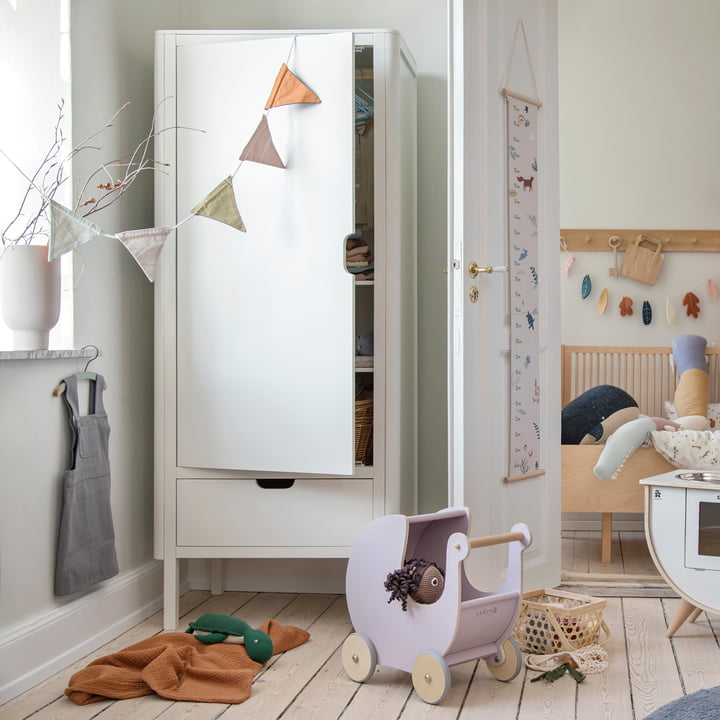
276	483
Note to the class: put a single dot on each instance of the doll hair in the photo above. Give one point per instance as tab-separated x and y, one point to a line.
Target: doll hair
419	579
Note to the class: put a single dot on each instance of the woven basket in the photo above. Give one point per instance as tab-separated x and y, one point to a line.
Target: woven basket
363	431
551	621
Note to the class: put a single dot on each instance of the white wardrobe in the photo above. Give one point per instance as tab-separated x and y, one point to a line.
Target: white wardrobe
257	380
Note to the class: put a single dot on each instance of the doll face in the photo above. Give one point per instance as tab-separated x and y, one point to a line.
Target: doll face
430	587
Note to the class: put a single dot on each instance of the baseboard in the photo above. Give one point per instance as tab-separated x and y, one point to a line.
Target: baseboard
33	652
595	525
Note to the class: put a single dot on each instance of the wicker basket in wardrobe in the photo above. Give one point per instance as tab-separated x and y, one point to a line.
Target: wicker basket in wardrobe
364	431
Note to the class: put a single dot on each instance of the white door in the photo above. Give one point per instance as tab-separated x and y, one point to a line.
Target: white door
482	334
265	334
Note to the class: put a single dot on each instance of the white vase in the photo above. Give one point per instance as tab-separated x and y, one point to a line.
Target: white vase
29	295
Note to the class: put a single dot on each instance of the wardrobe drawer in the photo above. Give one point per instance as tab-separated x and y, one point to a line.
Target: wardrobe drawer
229	512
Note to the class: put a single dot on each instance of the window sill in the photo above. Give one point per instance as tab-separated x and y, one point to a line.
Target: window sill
46	354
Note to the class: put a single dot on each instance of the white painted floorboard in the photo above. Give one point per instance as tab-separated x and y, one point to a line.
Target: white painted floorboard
647	669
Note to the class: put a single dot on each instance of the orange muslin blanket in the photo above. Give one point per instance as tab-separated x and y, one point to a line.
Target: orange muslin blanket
177	666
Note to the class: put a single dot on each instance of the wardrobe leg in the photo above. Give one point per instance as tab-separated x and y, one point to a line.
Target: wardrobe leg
216	576
171	590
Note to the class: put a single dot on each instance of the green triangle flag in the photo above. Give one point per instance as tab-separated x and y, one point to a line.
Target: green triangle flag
220	205
68	230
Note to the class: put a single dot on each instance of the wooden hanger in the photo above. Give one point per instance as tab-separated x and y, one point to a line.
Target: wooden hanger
84	375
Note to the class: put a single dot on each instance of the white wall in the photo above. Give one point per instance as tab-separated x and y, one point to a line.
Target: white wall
639	149
113	310
112	62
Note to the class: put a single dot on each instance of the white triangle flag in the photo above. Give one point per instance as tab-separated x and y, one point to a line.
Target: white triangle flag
68	230
145	246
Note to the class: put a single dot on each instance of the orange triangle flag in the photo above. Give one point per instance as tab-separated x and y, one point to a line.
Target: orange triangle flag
260	148
288	90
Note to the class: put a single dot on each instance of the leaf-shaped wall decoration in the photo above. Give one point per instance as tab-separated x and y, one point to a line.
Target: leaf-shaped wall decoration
603	301
692	304
669	312
646	312
586	286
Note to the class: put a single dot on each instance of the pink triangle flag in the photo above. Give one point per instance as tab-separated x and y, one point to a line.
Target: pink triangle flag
145	246
68	230
220	205
260	148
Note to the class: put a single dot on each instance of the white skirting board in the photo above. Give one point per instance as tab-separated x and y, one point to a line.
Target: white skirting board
591	523
33	652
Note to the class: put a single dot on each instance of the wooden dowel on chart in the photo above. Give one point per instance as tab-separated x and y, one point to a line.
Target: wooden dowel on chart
524	476
522	98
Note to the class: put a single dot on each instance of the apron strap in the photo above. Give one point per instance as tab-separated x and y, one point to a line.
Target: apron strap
70	396
97	387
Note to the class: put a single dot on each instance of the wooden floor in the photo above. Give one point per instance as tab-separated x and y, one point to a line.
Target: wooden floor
647	670
631	566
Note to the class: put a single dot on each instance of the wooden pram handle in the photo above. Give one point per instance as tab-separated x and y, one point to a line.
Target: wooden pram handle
495	539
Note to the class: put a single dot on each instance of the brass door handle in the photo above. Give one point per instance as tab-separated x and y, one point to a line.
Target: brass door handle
474	269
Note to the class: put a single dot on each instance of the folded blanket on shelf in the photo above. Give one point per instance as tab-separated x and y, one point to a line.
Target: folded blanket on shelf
367	275
178	667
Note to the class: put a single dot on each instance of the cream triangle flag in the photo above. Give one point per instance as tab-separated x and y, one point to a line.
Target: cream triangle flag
68	230
220	205
289	89
145	246
260	148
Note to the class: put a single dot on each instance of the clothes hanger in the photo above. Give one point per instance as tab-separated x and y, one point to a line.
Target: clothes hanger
84	375
364	107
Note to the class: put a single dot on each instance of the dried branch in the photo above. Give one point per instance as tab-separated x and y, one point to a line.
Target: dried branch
32	218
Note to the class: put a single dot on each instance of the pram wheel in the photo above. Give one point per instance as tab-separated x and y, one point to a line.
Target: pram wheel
359	657
431	678
507	663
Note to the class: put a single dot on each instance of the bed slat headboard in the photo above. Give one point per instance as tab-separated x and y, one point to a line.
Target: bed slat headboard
646	373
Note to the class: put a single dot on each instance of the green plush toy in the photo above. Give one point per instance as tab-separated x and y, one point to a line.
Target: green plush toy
217	627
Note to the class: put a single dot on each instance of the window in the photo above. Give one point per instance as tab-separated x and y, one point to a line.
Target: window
35	72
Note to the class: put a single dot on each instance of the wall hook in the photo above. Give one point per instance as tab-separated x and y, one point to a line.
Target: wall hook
94	357
84	375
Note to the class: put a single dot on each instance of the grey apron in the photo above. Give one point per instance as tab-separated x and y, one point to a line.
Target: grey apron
86	545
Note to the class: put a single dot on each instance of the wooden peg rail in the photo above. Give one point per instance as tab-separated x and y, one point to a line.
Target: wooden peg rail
672	240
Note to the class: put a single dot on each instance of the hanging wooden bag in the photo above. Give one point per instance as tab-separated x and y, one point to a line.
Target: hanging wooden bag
641	263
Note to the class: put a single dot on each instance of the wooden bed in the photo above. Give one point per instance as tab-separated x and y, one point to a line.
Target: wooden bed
647	374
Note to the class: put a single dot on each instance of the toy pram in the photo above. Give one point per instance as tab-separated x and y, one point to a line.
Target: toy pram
463	624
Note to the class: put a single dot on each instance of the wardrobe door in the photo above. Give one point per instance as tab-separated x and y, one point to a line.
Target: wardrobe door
265	337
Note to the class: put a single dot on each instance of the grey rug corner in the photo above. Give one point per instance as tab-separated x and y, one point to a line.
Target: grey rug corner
700	705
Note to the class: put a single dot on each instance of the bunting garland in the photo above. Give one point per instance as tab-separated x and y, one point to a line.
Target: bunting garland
220	205
260	147
145	246
68	230
289	90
